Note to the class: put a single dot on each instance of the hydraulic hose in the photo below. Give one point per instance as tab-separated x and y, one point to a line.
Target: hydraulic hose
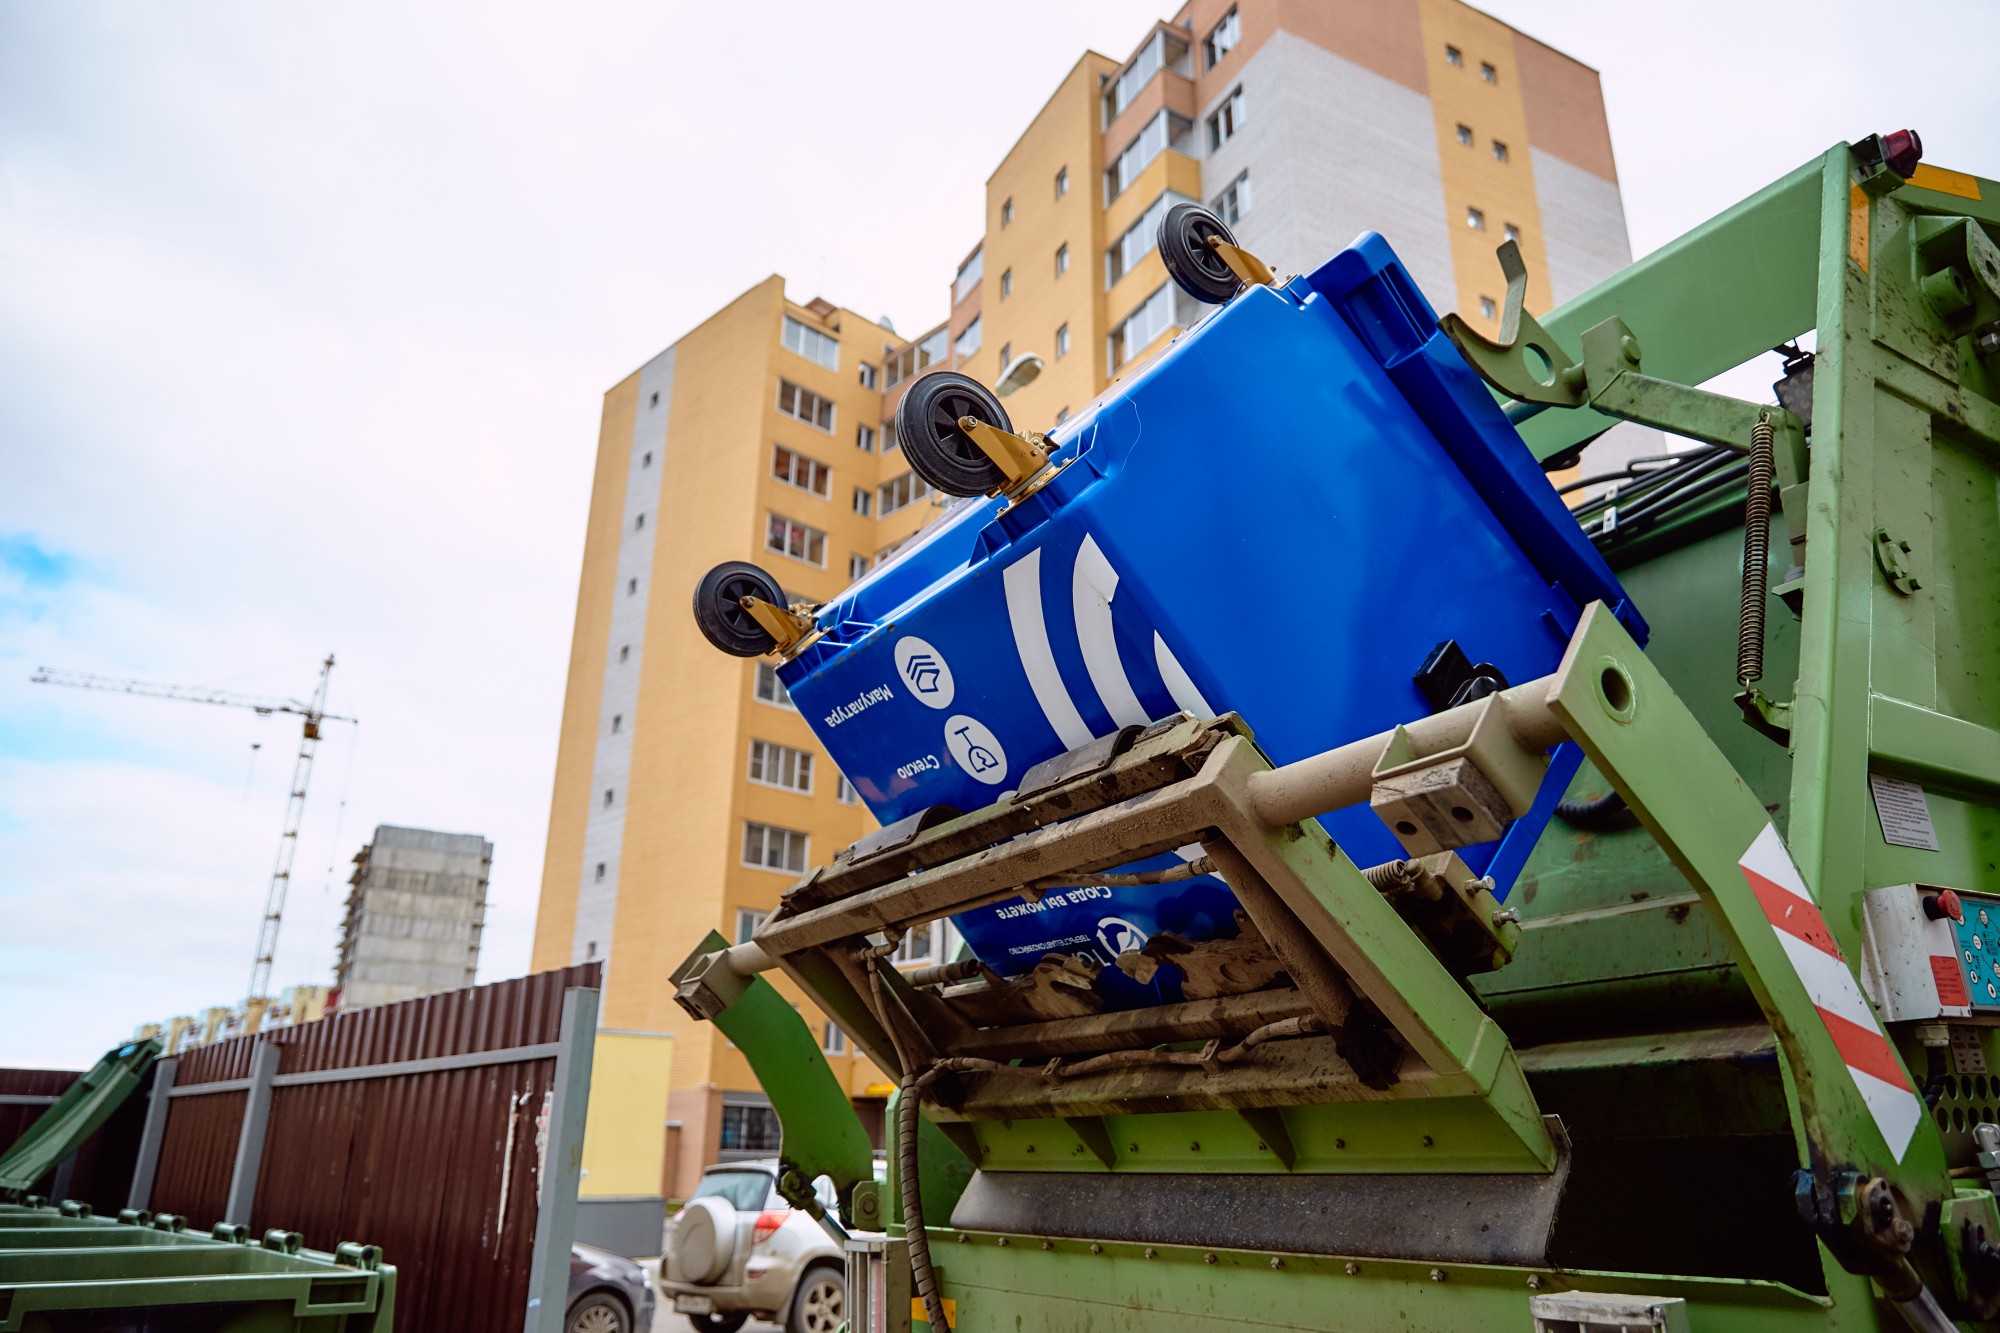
1600	815
1756	555
915	1239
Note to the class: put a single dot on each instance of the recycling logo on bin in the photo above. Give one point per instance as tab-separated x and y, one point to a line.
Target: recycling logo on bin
975	747
924	672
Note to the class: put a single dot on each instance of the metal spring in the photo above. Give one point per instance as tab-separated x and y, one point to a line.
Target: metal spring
1756	555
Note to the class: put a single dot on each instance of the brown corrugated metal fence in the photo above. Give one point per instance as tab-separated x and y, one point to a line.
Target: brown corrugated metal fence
439	1168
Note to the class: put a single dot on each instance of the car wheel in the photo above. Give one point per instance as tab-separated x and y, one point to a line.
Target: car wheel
598	1312
819	1302
717	1323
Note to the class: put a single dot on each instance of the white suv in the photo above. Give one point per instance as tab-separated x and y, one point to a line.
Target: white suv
737	1249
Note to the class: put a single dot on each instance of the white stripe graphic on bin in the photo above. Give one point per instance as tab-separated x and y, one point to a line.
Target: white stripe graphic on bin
1093	584
1186	694
1023	583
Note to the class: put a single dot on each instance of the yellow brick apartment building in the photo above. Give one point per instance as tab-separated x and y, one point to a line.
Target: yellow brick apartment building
688	793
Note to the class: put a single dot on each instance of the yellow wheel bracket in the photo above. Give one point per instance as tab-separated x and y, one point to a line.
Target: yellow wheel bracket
790	627
1019	458
1254	271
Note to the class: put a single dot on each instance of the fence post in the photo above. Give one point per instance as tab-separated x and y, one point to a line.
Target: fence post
250	1142
562	1164
154	1133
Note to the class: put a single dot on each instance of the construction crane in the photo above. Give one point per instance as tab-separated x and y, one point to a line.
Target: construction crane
312	710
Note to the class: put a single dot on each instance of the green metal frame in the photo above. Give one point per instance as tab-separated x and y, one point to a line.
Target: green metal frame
62	1263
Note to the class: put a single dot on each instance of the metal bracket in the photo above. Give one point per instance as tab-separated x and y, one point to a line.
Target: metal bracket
1889	553
1528	364
1766	715
791	626
1020	458
1253	271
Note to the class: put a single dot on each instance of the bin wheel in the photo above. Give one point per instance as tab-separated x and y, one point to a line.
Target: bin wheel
719	612
1195	268
939	452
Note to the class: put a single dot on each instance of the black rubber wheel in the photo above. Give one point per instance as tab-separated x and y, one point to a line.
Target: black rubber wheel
598	1312
1195	268
718	608
819	1302
939	452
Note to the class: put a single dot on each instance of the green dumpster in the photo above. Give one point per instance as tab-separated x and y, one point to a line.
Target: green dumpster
62	1268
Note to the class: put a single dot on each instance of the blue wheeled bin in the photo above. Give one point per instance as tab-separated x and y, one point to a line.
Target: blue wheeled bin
1284	515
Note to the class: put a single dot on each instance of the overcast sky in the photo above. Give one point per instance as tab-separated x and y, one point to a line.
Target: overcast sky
305	316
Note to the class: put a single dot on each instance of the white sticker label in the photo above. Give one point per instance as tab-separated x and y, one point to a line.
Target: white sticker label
1905	814
975	747
924	670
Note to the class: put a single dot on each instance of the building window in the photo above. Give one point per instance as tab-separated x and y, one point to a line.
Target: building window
775	765
647	461
747	922
1159	133
1513	233
600	872
1475	219
968	277
617	723
870	377
1062	259
806	405
1487	308
968	341
767	847
1062	181
1499	151
864	439
639	523
631	587
882	556
1006	283
924	944
795	469
1006	354
857	565
833	1041
770	689
889	441
1222	39
1126	87
750	1129
789	537
811	344
863	501
656	399
610	795
1226	119
1465	135
1234	202
1062	415
1454	57
901	365
1062	342
1488	73
1138	240
624	651
844	791
1139	328
1006	210
899	492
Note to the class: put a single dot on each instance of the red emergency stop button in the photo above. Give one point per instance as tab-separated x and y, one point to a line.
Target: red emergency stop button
1944	905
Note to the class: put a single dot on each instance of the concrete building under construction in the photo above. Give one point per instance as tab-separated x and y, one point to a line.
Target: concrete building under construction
414	916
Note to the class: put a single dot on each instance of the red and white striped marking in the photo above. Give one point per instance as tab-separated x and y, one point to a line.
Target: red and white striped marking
1850	1020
